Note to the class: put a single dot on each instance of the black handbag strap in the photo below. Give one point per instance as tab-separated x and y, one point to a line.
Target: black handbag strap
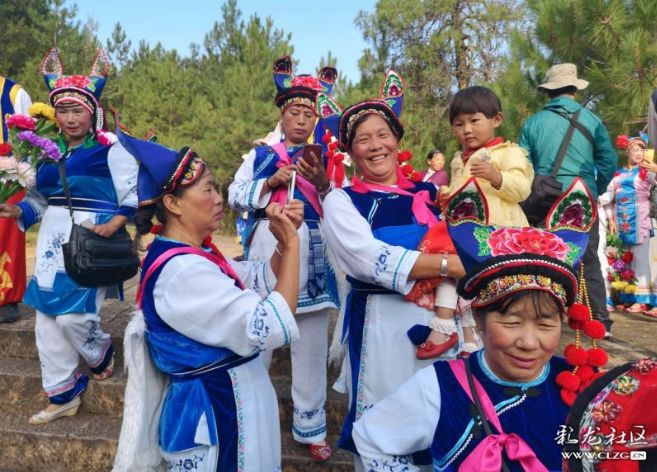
573	121
67	193
480	409
566	141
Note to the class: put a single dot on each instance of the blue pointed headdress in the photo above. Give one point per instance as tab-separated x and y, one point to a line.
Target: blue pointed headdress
502	260
388	106
301	89
84	90
161	170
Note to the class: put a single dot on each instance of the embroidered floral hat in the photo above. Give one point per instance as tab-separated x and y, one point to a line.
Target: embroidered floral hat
388	106
81	89
502	260
161	170
614	418
623	141
300	89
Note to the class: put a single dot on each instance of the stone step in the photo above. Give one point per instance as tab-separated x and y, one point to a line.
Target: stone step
88	442
17	339
81	443
21	390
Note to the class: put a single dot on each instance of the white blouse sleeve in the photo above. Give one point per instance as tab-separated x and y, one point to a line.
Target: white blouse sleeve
198	300
23	102
244	192
358	252
124	169
255	275
402	423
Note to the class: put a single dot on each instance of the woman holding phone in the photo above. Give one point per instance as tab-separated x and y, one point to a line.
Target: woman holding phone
276	173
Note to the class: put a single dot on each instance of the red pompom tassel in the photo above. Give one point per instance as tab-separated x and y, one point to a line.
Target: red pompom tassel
404	156
584	372
575	355
329	154
568	381
579	312
568	397
327	137
597	357
594	329
575	324
333	145
156	229
416	176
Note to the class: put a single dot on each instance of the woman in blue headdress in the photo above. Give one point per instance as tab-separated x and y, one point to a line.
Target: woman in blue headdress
102	178
205	321
263	177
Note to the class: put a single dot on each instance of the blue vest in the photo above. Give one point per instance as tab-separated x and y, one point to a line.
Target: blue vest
6	105
535	417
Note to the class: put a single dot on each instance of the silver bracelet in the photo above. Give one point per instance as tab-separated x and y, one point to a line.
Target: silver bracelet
443	266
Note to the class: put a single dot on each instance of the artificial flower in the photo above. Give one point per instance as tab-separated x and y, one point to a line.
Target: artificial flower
5	149
21	122
42	110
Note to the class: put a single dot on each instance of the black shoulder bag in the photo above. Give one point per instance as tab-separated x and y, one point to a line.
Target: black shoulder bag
546	188
92	260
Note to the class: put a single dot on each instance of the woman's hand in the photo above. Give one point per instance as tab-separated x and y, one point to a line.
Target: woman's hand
294	211
281	225
313	171
10	211
112	226
650	166
281	177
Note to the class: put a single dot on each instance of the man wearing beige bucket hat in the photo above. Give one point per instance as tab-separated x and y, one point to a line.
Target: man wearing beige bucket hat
587	153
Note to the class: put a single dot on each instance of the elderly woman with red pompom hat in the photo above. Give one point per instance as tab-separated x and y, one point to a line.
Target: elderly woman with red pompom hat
501	408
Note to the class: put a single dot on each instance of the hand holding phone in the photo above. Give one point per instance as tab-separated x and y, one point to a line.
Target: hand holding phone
309	150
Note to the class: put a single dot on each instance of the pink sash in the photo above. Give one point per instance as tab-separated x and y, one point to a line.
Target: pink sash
307	189
487	455
216	257
421	199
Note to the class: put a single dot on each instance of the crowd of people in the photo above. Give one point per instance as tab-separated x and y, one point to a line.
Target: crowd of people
451	287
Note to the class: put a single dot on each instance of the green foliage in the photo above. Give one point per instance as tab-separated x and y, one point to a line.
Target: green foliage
438	46
614	45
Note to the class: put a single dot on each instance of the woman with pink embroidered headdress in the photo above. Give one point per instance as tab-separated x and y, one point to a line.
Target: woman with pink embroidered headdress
274	173
102	178
629	193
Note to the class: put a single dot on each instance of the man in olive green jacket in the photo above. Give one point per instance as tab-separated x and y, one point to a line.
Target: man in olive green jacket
590	155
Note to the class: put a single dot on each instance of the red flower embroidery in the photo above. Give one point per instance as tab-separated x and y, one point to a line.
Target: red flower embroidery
307	81
79	81
572	216
627	257
505	241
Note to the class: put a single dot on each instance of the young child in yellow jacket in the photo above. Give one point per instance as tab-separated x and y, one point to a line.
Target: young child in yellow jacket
504	174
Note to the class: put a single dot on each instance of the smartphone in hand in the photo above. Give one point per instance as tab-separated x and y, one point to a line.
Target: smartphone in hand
315	149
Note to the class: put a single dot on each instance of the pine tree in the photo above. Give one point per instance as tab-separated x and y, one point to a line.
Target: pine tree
612	42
